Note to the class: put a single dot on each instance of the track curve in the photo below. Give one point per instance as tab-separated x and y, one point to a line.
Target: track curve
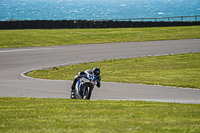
13	62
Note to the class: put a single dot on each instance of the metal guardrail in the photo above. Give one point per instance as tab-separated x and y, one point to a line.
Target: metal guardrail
156	19
50	24
116	23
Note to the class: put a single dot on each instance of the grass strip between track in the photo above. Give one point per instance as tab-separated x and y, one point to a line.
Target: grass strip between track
52	37
181	70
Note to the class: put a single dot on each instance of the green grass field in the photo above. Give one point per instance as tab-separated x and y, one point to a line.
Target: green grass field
32	115
38	37
173	70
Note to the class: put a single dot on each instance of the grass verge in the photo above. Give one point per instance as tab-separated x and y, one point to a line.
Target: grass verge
31	115
181	70
39	37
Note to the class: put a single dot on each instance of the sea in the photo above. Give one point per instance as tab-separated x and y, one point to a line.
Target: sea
97	9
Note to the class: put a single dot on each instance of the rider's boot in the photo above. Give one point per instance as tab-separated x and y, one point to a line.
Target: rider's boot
72	88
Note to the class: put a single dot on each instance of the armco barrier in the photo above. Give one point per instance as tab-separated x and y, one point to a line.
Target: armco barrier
123	24
10	25
38	24
148	24
97	24
25	24
1	24
63	24
83	24
90	24
31	24
44	24
174	23
110	24
56	24
19	24
104	24
161	24
71	24
155	24
129	24
77	23
51	24
136	24
5	25
142	24
116	24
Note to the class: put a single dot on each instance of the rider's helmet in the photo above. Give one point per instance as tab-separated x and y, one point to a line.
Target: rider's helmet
96	71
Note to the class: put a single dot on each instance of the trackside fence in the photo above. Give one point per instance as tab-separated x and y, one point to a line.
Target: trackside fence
169	19
61	24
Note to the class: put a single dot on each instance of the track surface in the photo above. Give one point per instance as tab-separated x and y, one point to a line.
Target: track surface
13	62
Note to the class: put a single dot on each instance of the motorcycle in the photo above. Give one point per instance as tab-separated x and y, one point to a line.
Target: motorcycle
84	86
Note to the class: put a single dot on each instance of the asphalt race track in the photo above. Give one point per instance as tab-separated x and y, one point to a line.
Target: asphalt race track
14	62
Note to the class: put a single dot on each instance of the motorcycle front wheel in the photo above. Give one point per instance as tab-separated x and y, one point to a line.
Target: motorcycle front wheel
87	93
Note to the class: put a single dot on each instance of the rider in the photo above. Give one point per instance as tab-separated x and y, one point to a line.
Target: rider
96	72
